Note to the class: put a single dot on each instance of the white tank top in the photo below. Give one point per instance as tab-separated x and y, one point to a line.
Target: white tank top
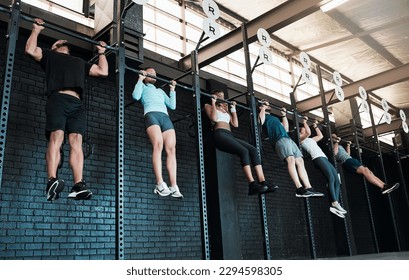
222	117
311	147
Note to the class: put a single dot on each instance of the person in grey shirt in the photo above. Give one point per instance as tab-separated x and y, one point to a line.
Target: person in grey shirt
354	166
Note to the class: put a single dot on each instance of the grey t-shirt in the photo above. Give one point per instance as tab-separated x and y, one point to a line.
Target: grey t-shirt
342	155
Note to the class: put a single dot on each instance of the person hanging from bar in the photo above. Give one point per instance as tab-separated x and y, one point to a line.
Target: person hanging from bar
65	112
286	149
159	128
219	115
354	166
320	160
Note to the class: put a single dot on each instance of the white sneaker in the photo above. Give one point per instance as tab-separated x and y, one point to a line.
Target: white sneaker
339	208
175	191
334	210
162	189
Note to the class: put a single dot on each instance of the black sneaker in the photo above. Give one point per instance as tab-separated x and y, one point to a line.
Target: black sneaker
388	188
270	188
79	191
256	188
303	192
315	193
54	187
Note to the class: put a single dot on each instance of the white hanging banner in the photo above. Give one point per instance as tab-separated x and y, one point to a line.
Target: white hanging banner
265	55
362	93
307	76
211	28
211	9
140	2
305	60
263	37
339	92
337	78
405	127
402	115
365	106
385	105
388	118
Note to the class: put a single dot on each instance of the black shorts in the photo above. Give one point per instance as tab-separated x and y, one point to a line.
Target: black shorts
352	165
64	112
160	119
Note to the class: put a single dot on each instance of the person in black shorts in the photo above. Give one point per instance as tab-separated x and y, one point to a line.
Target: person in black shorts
65	78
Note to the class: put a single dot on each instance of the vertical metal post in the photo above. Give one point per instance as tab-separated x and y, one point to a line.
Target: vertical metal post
307	206
401	175
118	31
378	145
251	101
330	146
12	34
200	151
355	134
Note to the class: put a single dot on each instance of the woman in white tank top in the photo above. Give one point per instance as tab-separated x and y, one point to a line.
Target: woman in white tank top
321	162
219	115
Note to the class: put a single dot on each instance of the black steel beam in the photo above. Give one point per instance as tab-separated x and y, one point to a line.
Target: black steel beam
118	34
273	20
11	37
368	198
200	153
381	80
330	148
380	158
251	101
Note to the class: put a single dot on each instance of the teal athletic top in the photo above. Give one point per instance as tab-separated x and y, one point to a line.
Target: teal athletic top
154	99
275	130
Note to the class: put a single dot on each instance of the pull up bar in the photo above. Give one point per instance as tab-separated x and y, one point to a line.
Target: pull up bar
226	101
66	32
288	112
139	72
108	52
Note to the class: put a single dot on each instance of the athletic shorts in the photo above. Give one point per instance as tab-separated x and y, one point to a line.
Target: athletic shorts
286	147
64	112
160	119
352	164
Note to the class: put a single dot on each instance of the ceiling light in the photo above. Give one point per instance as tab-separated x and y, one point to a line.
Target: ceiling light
331	4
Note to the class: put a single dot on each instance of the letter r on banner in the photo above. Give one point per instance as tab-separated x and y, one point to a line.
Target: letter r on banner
211	10
212	30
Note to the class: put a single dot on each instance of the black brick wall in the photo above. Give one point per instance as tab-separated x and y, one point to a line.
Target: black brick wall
155	227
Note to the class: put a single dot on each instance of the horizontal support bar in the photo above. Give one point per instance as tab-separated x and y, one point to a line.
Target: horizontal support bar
226	101
158	78
69	33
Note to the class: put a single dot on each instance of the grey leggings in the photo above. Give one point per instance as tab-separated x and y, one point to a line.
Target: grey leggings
330	173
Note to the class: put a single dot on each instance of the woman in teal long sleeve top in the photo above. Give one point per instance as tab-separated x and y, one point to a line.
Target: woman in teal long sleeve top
159	128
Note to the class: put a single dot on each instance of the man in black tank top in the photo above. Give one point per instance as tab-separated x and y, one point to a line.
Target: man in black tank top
65	78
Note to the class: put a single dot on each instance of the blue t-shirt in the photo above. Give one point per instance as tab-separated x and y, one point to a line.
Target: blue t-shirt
275	130
154	99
